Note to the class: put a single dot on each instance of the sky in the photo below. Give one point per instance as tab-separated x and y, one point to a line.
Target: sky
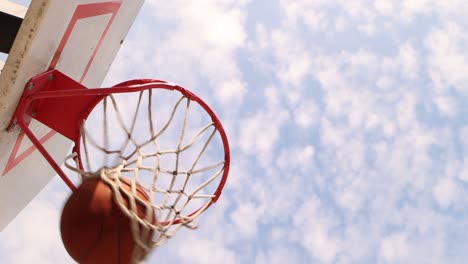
347	121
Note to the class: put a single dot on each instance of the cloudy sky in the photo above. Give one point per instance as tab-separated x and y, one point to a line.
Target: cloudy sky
347	121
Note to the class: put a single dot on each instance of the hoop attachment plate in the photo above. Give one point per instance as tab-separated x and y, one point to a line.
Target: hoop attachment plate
55	100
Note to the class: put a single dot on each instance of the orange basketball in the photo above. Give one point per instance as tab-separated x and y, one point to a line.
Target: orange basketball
94	229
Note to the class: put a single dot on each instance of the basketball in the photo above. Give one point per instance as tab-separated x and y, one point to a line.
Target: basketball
93	229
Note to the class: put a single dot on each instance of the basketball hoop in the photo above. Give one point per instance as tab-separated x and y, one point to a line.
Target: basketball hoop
182	180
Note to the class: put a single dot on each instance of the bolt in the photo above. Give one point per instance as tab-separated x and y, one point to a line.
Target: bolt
50	77
30	86
34	114
13	125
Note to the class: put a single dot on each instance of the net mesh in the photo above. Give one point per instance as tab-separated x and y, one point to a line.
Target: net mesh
159	141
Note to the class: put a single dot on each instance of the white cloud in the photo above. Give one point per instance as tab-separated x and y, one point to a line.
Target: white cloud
296	158
297	10
349	194
222	28
409	61
411	8
331	134
368	28
463	136
386	7
395	248
231	92
448	59
34	235
314	227
277	255
385	82
260	132
245	219
341	24
197	43
306	114
447	105
406	111
204	251
445	192
463	174
293	61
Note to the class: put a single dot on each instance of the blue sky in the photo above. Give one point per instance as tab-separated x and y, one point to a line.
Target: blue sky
347	121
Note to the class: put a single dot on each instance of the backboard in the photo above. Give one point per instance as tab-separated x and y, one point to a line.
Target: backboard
79	38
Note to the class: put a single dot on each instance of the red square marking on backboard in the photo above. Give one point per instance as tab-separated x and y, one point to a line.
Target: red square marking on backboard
81	12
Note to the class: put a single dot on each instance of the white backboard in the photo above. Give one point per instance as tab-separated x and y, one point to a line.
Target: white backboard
81	39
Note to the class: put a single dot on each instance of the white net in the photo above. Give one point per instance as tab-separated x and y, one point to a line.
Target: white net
159	141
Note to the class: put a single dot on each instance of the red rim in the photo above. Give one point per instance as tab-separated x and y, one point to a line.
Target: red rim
146	84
